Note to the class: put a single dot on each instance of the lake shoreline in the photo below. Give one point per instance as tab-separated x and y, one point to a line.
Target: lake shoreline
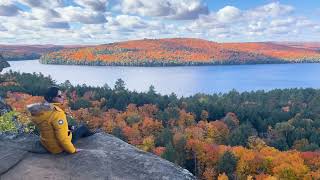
179	65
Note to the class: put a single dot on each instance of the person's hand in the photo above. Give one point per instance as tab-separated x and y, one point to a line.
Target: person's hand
71	128
78	150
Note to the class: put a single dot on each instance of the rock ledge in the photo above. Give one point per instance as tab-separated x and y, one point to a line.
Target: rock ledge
104	157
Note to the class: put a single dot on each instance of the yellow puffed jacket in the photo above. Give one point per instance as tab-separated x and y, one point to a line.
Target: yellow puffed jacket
53	126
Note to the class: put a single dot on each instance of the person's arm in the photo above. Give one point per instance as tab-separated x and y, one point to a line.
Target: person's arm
60	125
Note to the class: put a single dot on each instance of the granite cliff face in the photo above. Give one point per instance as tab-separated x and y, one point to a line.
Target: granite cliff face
103	157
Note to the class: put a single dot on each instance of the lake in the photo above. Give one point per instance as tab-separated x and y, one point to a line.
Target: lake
183	80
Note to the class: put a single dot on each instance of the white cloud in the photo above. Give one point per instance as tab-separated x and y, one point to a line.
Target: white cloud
5	2
279	30
46	4
57	25
268	22
283	22
15	25
177	9
2	28
85	16
189	9
147	8
95	5
274	9
42	14
228	14
8	10
133	22
90	30
257	27
91	22
303	22
133	25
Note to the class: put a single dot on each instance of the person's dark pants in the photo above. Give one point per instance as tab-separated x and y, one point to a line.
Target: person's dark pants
38	148
80	132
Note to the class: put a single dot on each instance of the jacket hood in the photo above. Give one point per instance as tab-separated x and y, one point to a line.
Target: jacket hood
37	109
42	111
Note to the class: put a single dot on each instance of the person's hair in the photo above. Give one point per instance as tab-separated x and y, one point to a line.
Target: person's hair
51	93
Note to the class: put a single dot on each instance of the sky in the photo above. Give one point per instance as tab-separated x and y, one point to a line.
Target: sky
80	22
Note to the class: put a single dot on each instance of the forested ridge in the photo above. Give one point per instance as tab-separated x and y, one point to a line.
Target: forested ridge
183	51
260	134
29	52
166	52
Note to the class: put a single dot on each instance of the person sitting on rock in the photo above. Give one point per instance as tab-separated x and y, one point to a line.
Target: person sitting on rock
50	119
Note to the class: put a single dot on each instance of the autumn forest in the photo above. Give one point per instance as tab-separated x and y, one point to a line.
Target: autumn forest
184	51
249	135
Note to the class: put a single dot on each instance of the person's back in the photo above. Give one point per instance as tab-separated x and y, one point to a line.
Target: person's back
53	127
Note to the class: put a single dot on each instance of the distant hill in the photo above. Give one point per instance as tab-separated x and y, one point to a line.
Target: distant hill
28	52
306	45
182	51
282	51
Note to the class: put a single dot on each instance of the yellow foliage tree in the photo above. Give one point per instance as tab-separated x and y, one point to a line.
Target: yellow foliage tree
223	177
